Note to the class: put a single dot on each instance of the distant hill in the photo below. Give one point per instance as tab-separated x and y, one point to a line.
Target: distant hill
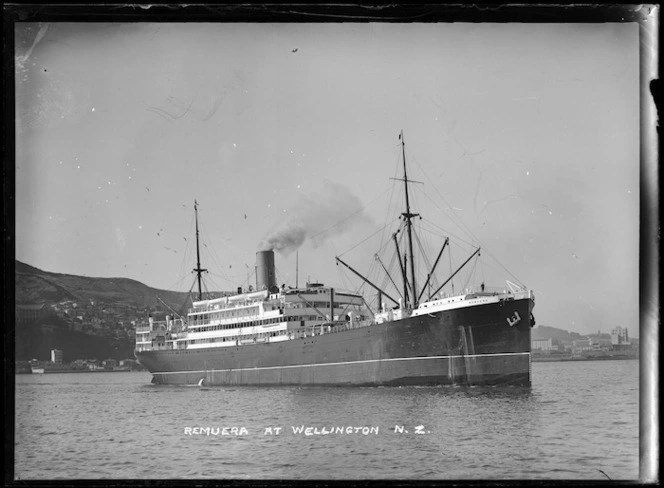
547	332
84	316
36	286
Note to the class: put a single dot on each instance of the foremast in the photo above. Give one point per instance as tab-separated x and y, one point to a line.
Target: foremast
199	271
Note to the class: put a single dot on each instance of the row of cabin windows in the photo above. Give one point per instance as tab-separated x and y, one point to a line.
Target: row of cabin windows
233	338
245	312
253	323
323	305
227	314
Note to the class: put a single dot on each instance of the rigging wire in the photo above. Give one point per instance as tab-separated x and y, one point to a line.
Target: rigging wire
251	272
481	267
451	270
470	274
211	253
517	280
473	240
365	240
393	264
348	284
189	295
424	258
390	270
425	250
187	247
386	278
217	276
460	222
404	272
389	206
389	242
426	238
175	286
279	276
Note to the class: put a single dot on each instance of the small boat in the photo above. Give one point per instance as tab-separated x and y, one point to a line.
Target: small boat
37	370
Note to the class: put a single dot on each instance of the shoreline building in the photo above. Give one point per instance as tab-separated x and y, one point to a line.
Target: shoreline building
620	338
56	356
543	345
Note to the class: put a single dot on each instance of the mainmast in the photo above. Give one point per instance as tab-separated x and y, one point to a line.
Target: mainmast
403	263
407	216
198	269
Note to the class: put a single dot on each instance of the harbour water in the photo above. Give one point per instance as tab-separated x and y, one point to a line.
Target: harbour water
578	421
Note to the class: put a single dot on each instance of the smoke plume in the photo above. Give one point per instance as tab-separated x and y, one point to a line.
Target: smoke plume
332	211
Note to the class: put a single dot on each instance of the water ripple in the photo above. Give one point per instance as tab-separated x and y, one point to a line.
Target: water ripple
577	419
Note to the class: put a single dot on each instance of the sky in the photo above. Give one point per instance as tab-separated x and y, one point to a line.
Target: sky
524	138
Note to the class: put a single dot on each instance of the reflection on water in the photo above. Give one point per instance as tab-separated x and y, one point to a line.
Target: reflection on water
577	420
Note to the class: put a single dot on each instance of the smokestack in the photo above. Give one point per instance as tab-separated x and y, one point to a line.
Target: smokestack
265	275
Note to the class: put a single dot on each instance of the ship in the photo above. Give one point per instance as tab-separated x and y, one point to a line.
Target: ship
322	335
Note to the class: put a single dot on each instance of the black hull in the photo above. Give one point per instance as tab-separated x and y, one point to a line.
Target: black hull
471	345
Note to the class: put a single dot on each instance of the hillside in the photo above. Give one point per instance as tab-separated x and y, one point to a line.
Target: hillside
85	317
35	341
547	332
36	286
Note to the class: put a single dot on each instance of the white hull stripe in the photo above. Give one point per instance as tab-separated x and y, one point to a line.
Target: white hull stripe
346	362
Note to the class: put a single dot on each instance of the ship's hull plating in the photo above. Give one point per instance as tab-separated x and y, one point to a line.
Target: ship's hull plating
471	345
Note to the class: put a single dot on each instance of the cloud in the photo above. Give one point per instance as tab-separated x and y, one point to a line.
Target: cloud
330	212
